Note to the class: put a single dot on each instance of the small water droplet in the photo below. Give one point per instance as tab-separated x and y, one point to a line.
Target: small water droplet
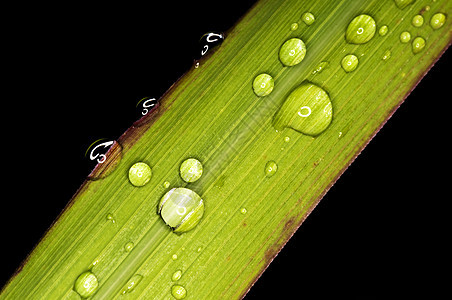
287	139
437	21
111	218
292	52
307	109
308	18
174	257
197	65
191	170
270	168
263	85
383	30
386	55
243	211
405	37
176	275
417	21
140	174
86	284
178	292
166	184
181	209
294	26
131	284
320	67
418	44
129	246
360	30
349	63
427	8
403	3
340	134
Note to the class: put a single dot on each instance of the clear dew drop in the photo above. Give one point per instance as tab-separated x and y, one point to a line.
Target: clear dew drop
349	63
86	284
292	52
403	3
176	275
308	18
417	21
174	257
307	109
418	44
191	170
243	211
383	30
178	291
386	55
263	85
437	21
287	139
405	37
129	246
270	168
140	174
320	67
131	284
360	30
294	26
166	184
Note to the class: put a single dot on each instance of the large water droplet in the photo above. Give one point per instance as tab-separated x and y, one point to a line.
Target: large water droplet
178	292
308	18
360	30
131	284
405	37
191	170
181	209
140	174
292	52
176	275
437	21
349	63
307	110
86	284
403	3
270	168
418	44
417	21
383	30
263	85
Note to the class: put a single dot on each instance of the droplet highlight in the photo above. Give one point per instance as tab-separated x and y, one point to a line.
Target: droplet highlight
140	174
360	30
263	85
383	30
191	170
417	21
405	37
131	284
86	284
181	209
178	292
403	3
308	18
292	52
349	63
270	168
307	110
437	21
176	275
418	44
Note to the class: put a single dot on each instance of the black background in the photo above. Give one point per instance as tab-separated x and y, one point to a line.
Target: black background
75	73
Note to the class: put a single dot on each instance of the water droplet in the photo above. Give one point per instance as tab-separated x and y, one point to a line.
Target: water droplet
386	55
437	21
383	30
294	26
349	63
427	8
287	139
417	21
418	44
111	218
292	52
166	184
320	67
307	110
86	284
340	134
243	211
140	174
176	275
405	37
131	284
181	209
178	292
360	30
129	246
263	85
403	3
270	168
174	257
308	18
197	65
199	249
191	170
